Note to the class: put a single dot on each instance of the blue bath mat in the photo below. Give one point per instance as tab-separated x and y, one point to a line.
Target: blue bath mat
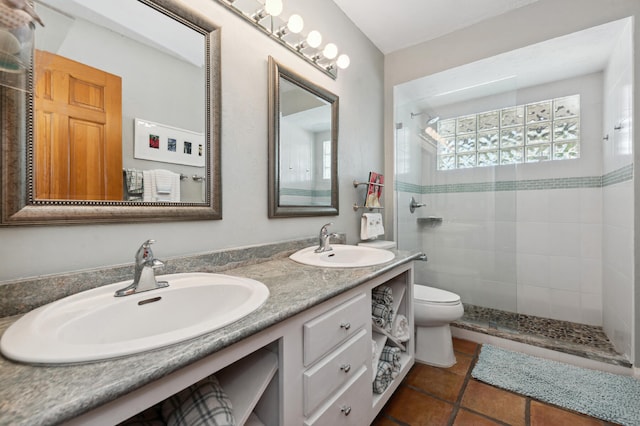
598	394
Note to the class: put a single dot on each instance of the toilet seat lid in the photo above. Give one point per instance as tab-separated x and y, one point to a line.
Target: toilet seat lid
426	294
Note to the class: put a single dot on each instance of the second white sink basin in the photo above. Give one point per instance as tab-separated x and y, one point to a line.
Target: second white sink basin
343	256
94	325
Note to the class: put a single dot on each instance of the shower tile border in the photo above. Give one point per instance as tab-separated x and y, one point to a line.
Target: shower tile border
620	175
305	192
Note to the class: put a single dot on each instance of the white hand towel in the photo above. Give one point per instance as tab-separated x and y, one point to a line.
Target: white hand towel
167	185
161	185
371	226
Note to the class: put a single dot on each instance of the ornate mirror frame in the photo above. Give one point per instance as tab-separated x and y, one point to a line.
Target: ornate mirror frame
276	210
17	203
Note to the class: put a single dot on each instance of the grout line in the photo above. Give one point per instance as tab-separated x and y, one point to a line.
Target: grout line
394	420
458	403
527	412
468	378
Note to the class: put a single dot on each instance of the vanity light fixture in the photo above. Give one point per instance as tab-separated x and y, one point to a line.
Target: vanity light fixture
273	7
314	39
295	24
259	15
307	47
270	8
330	51
343	61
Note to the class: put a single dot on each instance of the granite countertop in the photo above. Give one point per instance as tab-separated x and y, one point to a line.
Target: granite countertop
32	395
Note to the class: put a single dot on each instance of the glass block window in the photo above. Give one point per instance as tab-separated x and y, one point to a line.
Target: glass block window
539	131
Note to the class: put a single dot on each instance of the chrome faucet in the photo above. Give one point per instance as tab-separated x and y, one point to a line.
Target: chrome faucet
324	238
144	278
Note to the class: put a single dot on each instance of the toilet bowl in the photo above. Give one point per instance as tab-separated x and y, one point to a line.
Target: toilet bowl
434	309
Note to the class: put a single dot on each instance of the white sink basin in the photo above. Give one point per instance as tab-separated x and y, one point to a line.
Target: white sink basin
343	256
94	325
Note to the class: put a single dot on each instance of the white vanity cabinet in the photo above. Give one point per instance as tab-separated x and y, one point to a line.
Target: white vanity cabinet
312	369
338	357
337	347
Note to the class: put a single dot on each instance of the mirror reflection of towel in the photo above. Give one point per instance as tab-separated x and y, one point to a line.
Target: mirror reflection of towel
134	181
161	185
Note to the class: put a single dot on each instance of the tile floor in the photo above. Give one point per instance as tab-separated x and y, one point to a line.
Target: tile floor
450	397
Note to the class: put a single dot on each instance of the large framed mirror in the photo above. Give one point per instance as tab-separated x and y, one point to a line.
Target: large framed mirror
303	146
119	118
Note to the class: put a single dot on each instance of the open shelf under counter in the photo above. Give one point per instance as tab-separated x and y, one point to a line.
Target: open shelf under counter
245	381
379	399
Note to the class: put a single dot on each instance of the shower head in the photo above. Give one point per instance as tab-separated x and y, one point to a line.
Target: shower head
431	120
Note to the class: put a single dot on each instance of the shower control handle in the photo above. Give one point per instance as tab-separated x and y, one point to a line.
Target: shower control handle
413	205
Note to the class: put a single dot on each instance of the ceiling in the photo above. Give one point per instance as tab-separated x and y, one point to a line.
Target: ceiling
394	25
580	53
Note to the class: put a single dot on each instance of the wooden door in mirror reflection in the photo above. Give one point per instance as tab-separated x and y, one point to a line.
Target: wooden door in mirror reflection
78	131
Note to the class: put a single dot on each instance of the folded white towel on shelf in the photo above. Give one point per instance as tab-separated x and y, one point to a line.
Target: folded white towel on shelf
371	226
401	328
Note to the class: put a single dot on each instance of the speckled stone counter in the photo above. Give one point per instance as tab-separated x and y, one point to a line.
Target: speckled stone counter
38	395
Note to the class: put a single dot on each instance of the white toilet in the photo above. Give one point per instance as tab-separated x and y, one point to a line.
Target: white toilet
433	310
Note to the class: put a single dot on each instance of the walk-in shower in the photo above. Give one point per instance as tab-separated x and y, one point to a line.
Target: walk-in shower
523	162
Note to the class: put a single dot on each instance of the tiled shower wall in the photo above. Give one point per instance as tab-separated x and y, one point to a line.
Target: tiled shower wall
536	249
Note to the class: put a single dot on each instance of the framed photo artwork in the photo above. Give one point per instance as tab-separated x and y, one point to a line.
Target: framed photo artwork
167	144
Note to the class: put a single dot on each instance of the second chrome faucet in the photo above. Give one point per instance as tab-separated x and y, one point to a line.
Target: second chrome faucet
324	239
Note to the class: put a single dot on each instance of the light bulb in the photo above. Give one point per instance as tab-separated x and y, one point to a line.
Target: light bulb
330	51
343	61
273	7
295	23
314	39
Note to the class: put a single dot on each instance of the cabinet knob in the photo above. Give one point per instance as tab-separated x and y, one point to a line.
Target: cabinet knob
345	410
345	325
345	367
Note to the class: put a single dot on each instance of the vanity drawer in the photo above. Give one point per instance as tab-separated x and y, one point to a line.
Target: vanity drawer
351	407
333	327
335	370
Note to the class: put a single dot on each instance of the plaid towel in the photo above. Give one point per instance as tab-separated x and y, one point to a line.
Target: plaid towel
134	181
382	294
202	403
381	314
383	377
391	354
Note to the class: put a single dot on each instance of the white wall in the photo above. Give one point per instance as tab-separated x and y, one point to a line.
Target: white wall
34	251
510	31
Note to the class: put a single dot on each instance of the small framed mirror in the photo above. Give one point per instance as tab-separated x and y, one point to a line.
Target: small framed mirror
303	146
119	119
